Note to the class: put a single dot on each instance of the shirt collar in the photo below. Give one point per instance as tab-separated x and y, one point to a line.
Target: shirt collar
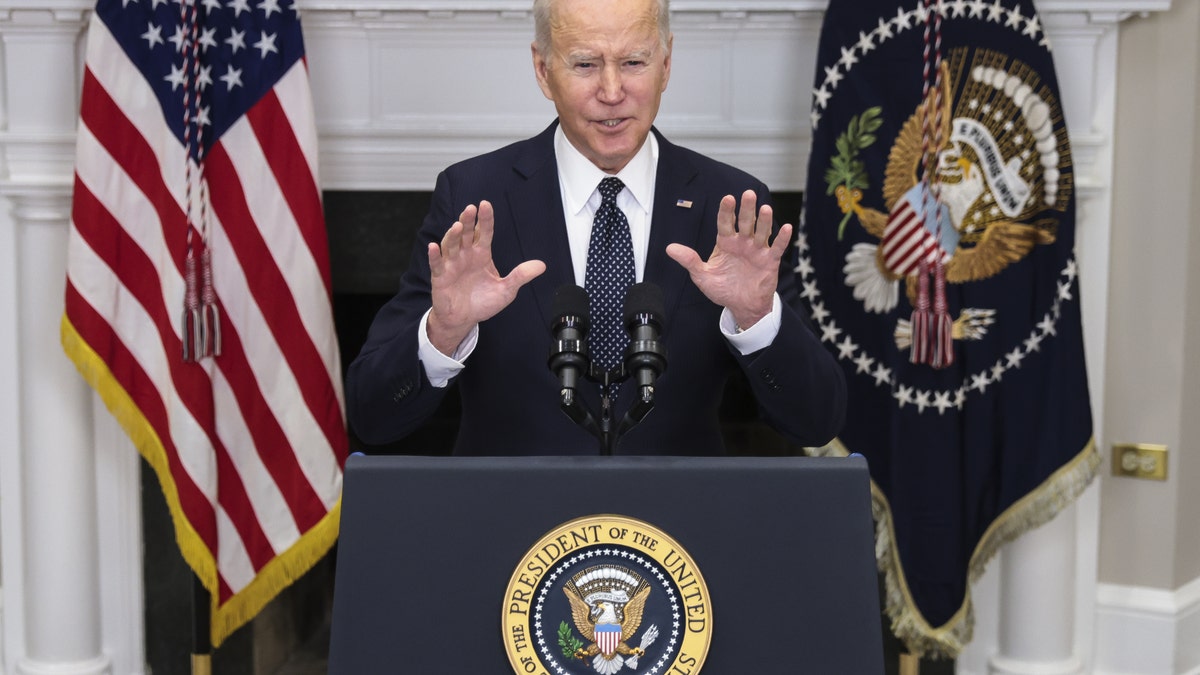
579	177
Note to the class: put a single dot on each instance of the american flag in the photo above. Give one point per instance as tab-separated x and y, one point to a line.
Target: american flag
197	140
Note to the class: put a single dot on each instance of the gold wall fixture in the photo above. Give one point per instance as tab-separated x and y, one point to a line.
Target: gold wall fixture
1140	460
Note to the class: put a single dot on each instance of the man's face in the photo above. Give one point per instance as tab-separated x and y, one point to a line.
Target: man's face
606	72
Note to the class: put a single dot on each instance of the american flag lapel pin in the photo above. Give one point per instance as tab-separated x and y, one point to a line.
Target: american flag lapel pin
684	203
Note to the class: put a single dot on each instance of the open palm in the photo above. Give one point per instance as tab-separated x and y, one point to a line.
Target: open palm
742	271
466	287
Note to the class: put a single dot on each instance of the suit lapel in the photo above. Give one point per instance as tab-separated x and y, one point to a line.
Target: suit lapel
537	212
678	217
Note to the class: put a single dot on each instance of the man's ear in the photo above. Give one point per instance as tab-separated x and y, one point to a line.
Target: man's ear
541	70
667	62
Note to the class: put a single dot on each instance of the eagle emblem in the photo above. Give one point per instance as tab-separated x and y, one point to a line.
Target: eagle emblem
607	602
1000	176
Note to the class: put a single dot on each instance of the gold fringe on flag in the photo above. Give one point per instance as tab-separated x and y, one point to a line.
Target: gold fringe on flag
283	570
1033	510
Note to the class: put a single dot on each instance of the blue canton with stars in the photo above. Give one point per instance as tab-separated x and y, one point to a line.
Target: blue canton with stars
245	46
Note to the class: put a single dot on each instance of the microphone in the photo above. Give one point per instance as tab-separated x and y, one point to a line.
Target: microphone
646	356
568	352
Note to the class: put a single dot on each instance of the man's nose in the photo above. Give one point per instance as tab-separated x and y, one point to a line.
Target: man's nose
612	84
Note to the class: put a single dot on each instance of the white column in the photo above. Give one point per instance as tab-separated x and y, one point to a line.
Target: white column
62	585
1037	615
57	599
1045	622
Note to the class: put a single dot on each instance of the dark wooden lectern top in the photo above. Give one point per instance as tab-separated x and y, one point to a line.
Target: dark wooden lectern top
428	546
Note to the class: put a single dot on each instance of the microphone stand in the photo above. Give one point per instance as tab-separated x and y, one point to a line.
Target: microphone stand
603	426
645	357
607	436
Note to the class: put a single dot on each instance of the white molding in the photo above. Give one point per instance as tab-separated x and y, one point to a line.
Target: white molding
1102	11
385	127
94	666
36	160
12	563
1147	631
1151	601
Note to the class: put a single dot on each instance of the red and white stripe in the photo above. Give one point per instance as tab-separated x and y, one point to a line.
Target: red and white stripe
249	446
907	242
608	640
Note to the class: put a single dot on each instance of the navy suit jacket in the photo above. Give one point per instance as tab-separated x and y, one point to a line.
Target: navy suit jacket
510	398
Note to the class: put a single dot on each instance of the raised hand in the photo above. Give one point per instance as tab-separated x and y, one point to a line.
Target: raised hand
743	270
466	288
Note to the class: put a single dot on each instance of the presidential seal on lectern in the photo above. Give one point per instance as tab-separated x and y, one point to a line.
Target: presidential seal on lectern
606	594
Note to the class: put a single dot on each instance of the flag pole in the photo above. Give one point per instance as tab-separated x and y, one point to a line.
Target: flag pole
201	629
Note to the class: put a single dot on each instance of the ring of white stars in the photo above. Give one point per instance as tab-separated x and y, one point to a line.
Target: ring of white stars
973	385
993	12
634	559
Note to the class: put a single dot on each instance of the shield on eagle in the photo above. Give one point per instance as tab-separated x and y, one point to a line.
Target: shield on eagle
608	636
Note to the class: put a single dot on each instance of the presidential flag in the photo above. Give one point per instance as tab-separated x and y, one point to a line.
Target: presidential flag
937	261
198	299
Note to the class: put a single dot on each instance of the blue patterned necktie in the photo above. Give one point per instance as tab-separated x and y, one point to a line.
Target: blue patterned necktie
608	275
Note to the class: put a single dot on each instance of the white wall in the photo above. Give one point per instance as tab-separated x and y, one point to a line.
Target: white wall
1149	557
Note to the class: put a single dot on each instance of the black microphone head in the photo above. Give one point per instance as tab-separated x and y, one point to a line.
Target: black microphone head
644	298
570	300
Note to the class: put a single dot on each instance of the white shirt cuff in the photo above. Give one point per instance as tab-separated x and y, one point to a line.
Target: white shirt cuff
439	368
756	337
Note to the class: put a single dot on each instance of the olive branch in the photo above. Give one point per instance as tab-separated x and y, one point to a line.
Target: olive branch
846	170
567	641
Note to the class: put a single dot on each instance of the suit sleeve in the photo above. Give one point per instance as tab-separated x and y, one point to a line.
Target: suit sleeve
387	392
797	383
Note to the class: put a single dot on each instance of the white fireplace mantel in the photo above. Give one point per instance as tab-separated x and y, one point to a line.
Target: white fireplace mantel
413	85
403	88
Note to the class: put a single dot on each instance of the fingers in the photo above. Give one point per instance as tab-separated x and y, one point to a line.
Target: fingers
475	227
685	256
746	214
762	231
757	226
526	272
436	264
726	217
467	218
452	240
486	226
782	240
740	220
478	224
469	238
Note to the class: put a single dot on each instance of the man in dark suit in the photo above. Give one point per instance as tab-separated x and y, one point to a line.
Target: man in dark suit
528	209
